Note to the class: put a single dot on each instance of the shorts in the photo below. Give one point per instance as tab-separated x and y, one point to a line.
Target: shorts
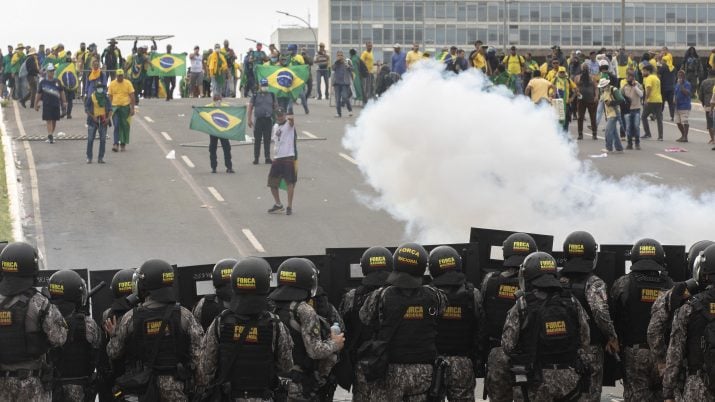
195	79
50	113
708	120
283	168
681	116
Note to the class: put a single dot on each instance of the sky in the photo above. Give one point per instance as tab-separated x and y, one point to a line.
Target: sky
191	22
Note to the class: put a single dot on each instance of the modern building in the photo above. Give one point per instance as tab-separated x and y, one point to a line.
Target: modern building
303	37
535	25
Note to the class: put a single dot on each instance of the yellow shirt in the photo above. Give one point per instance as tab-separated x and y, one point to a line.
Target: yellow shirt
711	61
544	69
552	74
368	59
513	63
479	61
120	92
651	84
668	60
213	64
297	59
539	89
97	111
413	57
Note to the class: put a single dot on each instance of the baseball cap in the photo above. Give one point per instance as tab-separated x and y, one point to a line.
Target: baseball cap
119	71
397	46
604	82
562	69
50	67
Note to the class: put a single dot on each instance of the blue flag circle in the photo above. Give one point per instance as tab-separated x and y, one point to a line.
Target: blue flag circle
285	79
166	62
220	119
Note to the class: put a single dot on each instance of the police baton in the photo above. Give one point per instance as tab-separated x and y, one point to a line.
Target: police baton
96	289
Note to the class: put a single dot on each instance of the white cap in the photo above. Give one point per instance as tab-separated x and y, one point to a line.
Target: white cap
50	67
603	63
578	52
604	82
397	45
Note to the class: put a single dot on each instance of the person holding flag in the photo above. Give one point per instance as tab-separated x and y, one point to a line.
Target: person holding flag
283	168
213	140
218	70
99	114
121	96
52	96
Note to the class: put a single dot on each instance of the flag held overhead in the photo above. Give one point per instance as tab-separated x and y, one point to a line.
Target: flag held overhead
167	65
220	121
284	82
67	74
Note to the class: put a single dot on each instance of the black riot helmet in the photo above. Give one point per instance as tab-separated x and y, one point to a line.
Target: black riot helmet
250	282
67	286
297	280
694	253
647	255
221	274
155	278
121	285
538	270
18	268
376	265
580	252
516	247
445	266
704	268
410	261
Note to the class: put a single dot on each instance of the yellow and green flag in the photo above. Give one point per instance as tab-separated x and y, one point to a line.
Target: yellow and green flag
284	81
220	121
167	65
67	74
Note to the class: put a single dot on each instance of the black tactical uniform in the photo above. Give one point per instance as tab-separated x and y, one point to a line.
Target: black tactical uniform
211	306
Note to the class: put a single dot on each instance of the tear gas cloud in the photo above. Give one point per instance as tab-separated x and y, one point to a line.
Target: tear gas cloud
445	153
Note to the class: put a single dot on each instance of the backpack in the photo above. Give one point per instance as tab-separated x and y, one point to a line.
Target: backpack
617	97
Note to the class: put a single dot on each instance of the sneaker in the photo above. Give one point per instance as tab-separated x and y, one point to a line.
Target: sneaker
269	161
629	146
595	137
100	160
255	161
89	161
338	116
638	147
213	170
229	170
580	137
50	139
115	147
289	211
660	138
646	136
275	208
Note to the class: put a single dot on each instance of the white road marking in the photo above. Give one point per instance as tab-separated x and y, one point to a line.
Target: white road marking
216	194
252	239
348	158
675	160
187	161
311	135
690	129
166	135
147	118
39	232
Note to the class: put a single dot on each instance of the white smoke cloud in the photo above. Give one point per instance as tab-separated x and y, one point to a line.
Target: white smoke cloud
444	155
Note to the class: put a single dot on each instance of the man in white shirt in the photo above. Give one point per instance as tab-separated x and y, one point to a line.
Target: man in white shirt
284	162
197	72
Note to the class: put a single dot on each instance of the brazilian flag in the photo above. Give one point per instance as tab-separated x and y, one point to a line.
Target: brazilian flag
220	121
167	65
284	82
67	74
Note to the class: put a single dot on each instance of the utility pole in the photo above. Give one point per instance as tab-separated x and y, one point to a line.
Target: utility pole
506	13
623	24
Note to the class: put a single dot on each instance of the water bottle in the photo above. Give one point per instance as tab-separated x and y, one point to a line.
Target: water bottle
335	329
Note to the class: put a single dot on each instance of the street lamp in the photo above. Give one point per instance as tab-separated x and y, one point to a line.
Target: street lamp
251	40
315	37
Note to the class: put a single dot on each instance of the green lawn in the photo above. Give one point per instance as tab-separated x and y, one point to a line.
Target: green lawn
5	222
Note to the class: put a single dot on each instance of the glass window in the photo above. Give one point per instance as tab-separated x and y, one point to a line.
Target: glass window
692	38
357	11
429	10
660	13
409	35
565	39
629	13
534	14
471	12
439	10
399	12
513	12
441	38
680	14
451	10
462	36
650	36
345	32
481	34
389	12
597	35
616	12
639	36
534	37
586	15
419	13
355	31
524	36
366	34
597	12
566	13
377	35
335	35
545	35
493	13
608	35
345	13
586	38
617	36
555	13
482	12
702	36
576	13
367	11
670	36
639	12
387	34
335	13
418	36
659	36
702	13
398	33
409	11
451	34
711	12
649	14
492	34
711	37
608	13
691	13
630	37
377	12
471	35
681	37
545	14
670	14
429	35
524	12
461	12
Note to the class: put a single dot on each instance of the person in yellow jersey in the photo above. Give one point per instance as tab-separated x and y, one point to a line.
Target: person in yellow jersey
539	89
413	56
368	83
551	74
99	114
477	59
121	96
653	101
565	88
711	60
515	67
218	70
667	58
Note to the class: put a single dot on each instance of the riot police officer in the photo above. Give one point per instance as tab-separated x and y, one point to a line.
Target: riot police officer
460	330
29	326
544	334
632	296
76	360
315	347
581	255
246	346
376	265
212	305
410	311
157	336
123	300
498	292
692	339
663	310
330	316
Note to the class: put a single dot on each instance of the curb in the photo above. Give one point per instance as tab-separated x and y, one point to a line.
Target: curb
11	178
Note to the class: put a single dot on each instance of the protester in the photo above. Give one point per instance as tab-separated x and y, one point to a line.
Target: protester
196	72
515	64
111	58
284	165
32	66
398	63
706	94
169	82
360	73
95	77
565	89
231	57
342	72
458	63
539	89
477	58
693	67
52	96
98	108
588	90
218	70
613	142
633	93
322	60
296	59
413	56
225	143
653	101
121	96
666	73
263	104
368	81
683	94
